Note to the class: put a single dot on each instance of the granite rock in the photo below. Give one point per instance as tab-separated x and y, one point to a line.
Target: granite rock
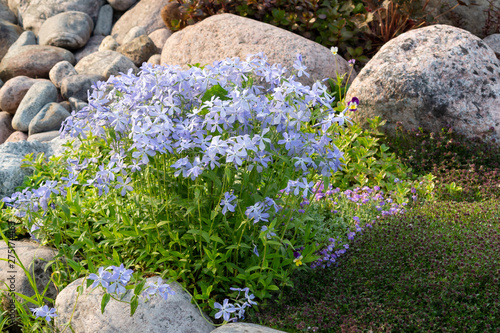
108	44
40	94
77	86
104	21
61	70
48	119
159	37
105	63
91	47
138	50
9	33
5	126
70	30
13	92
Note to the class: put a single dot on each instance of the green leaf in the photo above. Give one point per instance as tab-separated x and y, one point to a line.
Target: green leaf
104	302
133	305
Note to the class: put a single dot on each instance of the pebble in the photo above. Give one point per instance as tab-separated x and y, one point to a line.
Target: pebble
104	21
61	70
70	30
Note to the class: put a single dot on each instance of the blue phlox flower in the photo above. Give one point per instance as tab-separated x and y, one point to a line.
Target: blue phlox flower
103	278
226	203
44	311
269	234
123	185
300	67
225	309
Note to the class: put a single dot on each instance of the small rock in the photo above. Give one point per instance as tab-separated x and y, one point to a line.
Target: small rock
6	14
61	70
13	91
134	33
108	44
76	104
66	105
104	21
105	63
17	136
77	86
159	37
40	94
1	85
155	59
48	119
70	30
5	126
121	5
493	41
9	33
244	328
176	314
138	50
146	13
33	256
44	137
26	38
91	47
33	61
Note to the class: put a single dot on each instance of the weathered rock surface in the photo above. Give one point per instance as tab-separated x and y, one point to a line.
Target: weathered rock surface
40	94
77	85
9	33
60	71
33	13
48	119
104	21
105	63
6	14
91	47
146	13
76	104
431	77
226	35
493	41
44	137
121	5
244	328
176	314
155	59
134	33
33	256
138	50
5	126
26	38
159	37
33	61
108	44
17	136
70	30
13	92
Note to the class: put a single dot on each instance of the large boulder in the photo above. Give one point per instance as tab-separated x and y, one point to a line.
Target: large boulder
105	63
26	38
13	92
70	30
33	61
146	13
431	77
33	13
176	314
40	94
138	50
48	119
9	33
227	36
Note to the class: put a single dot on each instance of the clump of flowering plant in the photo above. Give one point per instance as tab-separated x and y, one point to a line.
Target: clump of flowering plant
181	172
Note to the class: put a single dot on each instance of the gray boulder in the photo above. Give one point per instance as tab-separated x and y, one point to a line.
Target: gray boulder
105	63
176	314
13	92
33	257
138	50
70	30
44	137
26	38
33	61
77	86
5	126
244	328
121	5
134	33
40	94
104	21
9	33
91	47
48	119
432	77
60	71
6	14
108	44
493	41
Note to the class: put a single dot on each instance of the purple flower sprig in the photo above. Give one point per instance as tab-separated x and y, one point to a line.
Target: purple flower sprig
226	309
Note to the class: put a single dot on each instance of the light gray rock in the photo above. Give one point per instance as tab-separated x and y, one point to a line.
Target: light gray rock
48	119
159	37
26	38
40	94
33	13
13	91
146	13
6	14
76	104
17	136
138	50
77	86
134	33
104	21
108	44
227	36
91	47
33	61
11	173
244	328
122	5
44	137
13	5
154	59
105	63
70	30
33	256
9	33
493	41
431	77
60	71
5	126
176	314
